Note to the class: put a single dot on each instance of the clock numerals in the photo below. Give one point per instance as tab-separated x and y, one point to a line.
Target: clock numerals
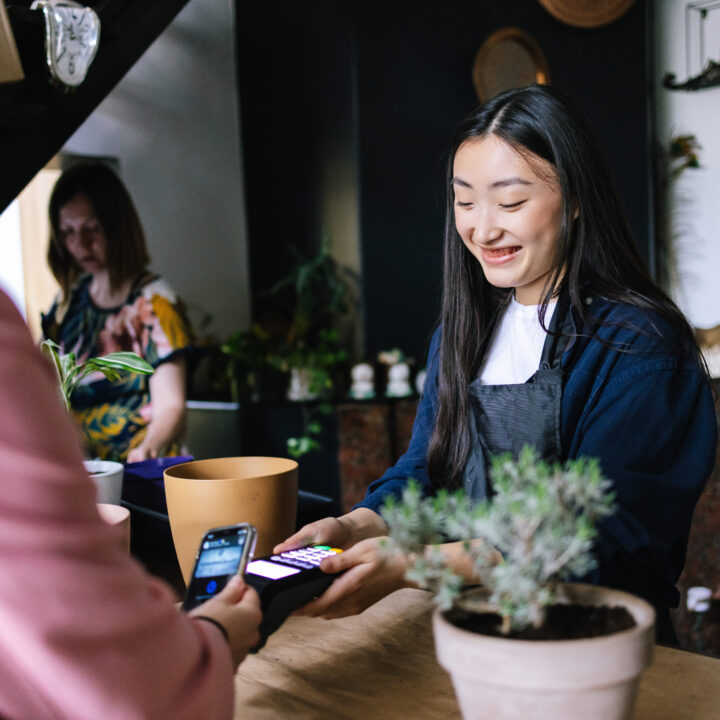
72	36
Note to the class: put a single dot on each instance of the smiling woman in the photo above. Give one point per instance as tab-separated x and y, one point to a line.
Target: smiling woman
507	215
553	335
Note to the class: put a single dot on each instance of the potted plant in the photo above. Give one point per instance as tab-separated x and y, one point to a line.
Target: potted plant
70	372
108	475
252	370
315	296
526	644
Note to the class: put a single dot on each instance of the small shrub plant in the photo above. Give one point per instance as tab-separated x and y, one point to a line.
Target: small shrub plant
541	518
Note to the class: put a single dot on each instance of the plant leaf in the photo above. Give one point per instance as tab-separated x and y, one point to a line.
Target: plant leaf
127	361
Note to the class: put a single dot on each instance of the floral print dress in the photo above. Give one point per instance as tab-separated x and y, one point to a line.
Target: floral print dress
152	323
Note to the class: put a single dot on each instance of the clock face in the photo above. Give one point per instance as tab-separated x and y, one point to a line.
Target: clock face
74	33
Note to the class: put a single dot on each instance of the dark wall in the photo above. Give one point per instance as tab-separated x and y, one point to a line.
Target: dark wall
394	79
296	103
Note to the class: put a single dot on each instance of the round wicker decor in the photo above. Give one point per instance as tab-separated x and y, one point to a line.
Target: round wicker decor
587	13
509	58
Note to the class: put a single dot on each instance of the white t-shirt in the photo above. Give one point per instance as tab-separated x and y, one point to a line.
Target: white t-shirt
517	344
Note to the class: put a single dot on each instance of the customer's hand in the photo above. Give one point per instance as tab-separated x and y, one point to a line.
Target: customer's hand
342	532
368	576
237	608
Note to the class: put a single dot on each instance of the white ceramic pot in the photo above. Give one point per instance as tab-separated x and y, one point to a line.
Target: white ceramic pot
108	478
587	679
300	384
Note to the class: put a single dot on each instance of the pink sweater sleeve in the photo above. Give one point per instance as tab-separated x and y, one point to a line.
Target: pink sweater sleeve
85	633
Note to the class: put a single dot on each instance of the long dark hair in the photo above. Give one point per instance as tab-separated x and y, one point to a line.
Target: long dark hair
126	251
594	251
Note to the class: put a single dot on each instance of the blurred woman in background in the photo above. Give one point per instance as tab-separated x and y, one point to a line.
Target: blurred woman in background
109	302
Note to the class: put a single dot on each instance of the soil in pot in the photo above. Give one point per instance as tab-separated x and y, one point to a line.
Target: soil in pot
563	622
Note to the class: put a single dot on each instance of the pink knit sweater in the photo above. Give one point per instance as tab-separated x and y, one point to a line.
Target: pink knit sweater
85	633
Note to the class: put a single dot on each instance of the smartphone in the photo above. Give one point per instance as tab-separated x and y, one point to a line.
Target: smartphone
286	582
223	552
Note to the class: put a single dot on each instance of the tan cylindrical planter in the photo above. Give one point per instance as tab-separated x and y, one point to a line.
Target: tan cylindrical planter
585	679
204	494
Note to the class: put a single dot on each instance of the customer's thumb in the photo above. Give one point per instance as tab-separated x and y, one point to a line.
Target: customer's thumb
234	590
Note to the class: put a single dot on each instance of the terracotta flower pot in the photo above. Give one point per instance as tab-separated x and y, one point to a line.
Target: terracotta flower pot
301	380
211	493
588	679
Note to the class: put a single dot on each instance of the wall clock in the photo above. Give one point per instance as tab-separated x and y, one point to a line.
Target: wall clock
72	34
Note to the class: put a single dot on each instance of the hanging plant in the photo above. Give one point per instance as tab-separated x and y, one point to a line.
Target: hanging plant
681	154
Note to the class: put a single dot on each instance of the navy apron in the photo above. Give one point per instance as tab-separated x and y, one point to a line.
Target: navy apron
503	418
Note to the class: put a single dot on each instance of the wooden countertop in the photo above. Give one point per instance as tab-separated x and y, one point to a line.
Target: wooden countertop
381	665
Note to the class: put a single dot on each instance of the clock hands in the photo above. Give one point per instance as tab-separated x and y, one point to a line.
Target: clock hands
72	34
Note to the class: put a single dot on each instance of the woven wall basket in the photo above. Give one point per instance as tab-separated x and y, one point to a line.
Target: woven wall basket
587	13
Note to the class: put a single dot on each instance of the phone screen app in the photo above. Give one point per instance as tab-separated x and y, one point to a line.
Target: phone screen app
219	560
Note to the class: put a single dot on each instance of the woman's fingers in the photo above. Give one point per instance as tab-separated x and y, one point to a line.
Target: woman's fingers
342	532
367	576
328	531
304	536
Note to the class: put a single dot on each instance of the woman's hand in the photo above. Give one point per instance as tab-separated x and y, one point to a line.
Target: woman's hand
342	532
237	608
368	576
140	453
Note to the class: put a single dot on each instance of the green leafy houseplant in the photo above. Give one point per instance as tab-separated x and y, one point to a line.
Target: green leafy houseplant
70	372
315	297
541	519
250	363
315	294
299	342
300	332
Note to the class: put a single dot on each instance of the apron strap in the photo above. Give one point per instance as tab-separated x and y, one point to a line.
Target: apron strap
559	333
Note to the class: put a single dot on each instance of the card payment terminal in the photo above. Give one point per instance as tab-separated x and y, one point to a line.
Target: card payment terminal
286	582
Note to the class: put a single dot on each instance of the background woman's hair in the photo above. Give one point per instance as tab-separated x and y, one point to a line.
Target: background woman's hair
595	251
126	251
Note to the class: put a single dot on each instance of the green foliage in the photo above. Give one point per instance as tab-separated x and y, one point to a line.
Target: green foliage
313	298
542	519
319	290
684	154
309	441
70	373
250	355
319	359
249	349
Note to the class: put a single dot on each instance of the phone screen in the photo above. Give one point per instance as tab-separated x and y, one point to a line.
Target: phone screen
223	553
